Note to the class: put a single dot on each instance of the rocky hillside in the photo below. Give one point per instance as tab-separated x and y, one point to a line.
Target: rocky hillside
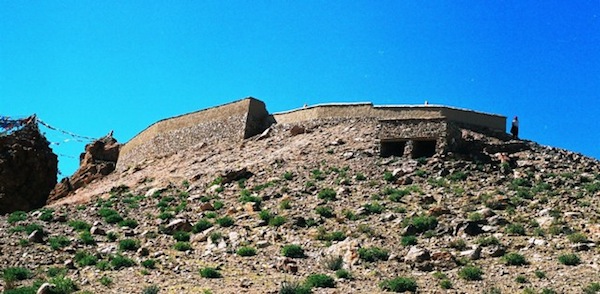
314	208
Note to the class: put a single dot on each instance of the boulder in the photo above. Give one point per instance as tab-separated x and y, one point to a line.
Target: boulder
98	160
28	169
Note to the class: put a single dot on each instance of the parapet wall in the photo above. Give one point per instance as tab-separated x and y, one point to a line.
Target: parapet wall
368	110
229	122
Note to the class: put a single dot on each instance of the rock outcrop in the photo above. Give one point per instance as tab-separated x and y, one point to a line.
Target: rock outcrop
28	169
98	160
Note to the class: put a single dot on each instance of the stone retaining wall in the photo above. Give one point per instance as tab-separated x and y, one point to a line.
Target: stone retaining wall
230	122
245	118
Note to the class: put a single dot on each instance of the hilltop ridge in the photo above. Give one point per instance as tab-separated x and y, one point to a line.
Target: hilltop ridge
322	185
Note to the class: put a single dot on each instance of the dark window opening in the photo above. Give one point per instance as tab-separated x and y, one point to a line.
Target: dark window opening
425	148
392	148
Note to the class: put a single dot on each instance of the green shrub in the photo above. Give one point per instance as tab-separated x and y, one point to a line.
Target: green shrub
323	235
360	177
288	175
83	258
56	271
129	244
58	242
521	279
182	246
577	238
293	288
324	211
292	250
333	262
47	215
201	225
408	240
422	223
327	194
513	258
225	221
103	265
87	238
285	204
475	216
113	218
343	274
12	274
265	215
569	259
488	241
210	273
515	229
457	176
62	285
181	236
319	281
445	284
592	288
277	221
540	274
166	215
373	254
149	263
373	208
30	228
215	237
106	281
218	205
317	175
131	223
399	284
470	273
246	251
119	261
152	289
112	236
246	196
80	225
396	195
388	176
16	217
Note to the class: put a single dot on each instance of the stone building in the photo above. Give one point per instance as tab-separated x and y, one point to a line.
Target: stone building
405	130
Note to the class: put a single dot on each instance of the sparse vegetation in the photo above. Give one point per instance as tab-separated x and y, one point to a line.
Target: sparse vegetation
325	211
373	254
327	194
246	251
292	250
569	259
182	246
513	258
470	273
225	221
319	281
58	242
16	216
129	244
210	273
399	285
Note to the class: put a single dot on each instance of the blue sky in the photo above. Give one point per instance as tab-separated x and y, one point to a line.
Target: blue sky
89	67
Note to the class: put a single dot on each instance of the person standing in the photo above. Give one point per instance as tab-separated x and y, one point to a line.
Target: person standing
514	129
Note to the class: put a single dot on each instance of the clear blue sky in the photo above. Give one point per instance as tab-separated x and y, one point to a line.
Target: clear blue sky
89	67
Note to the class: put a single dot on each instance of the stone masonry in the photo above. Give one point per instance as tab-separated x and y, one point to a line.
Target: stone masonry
420	129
